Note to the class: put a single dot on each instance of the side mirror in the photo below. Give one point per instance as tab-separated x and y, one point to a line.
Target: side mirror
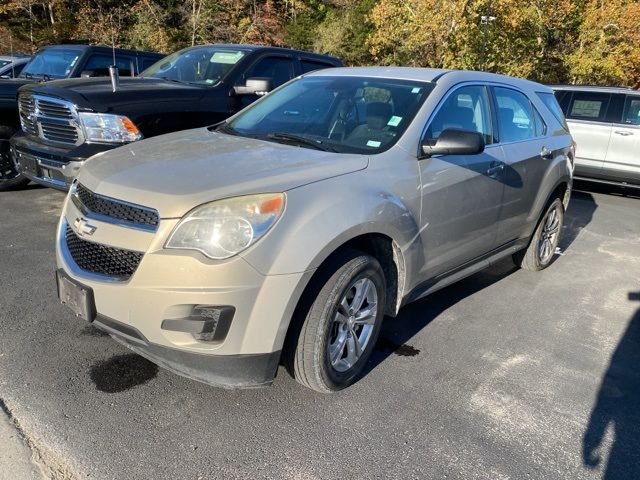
87	74
455	142
5	76
254	86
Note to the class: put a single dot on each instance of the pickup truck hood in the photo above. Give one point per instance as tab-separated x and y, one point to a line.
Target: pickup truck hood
176	172
97	93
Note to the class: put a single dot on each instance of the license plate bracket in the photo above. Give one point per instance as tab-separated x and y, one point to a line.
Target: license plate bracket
76	296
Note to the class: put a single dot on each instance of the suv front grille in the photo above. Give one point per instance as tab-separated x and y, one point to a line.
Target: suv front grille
102	259
50	119
133	214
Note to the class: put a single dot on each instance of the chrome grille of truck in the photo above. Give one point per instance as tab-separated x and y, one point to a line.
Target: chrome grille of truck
51	119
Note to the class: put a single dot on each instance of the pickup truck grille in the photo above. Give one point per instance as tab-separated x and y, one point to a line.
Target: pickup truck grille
102	259
94	204
54	121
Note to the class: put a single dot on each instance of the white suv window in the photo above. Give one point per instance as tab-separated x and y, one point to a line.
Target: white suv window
632	111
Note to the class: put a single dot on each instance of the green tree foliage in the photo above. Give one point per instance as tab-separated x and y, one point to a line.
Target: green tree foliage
587	41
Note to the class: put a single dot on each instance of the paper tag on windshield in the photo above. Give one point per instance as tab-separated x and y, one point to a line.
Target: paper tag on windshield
394	121
226	57
373	143
415	90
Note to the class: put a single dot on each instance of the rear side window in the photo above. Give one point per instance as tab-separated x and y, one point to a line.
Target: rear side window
614	111
632	111
552	104
465	109
310	65
589	106
515	115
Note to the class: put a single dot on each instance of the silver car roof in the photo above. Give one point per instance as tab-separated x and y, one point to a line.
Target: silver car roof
437	75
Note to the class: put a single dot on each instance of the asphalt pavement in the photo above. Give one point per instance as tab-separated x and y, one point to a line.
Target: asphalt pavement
506	375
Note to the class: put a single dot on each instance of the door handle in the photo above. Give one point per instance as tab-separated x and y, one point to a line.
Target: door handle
546	154
623	133
495	169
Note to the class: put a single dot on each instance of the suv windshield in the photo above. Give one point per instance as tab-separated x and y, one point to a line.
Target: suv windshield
52	63
202	65
342	114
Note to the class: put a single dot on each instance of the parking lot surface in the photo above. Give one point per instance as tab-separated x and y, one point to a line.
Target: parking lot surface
506	375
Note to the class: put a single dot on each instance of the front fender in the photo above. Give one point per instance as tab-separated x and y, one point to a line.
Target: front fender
317	222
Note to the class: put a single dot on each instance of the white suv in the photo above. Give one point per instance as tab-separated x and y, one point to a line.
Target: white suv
605	123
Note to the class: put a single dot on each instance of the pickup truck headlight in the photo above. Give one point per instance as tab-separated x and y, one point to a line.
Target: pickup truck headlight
224	228
108	128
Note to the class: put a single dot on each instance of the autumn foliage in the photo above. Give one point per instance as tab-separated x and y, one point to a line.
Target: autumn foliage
582	41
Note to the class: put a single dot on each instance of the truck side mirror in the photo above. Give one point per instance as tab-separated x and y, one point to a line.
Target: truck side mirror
254	86
453	141
87	74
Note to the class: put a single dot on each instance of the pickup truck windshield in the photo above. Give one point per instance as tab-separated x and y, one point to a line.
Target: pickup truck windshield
202	65
341	114
52	63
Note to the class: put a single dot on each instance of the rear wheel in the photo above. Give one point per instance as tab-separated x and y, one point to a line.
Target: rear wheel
544	242
341	327
10	178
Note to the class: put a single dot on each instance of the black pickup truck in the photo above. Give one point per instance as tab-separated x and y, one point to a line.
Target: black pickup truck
54	63
66	122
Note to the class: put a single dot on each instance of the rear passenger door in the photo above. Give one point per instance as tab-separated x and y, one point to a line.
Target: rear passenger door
461	194
527	153
622	161
586	113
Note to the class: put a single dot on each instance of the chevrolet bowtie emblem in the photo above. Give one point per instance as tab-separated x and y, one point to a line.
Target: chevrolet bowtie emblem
83	227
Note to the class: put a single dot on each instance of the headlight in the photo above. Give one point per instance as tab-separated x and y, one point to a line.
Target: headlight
108	128
224	228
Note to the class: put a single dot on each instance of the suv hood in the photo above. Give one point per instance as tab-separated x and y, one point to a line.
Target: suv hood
176	172
97	94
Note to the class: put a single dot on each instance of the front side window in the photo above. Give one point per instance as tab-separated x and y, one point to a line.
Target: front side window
588	106
99	65
200	65
515	115
465	109
52	63
632	111
278	69
341	114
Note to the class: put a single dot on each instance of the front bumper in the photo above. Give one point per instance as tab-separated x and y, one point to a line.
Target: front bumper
51	166
168	286
225	371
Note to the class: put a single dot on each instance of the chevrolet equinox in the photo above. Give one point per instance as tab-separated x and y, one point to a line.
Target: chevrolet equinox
287	233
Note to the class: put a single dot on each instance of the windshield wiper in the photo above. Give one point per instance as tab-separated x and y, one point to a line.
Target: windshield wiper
300	140
224	127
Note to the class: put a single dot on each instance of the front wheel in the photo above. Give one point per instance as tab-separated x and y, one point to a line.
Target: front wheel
341	326
10	178
545	239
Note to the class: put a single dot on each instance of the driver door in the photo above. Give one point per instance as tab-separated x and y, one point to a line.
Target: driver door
461	194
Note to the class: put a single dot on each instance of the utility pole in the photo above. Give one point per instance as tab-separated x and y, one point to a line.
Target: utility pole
485	20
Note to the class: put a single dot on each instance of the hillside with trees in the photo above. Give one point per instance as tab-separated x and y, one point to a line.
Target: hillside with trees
577	41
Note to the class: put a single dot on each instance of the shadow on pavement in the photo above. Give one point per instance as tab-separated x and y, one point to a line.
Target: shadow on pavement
578	215
618	406
607	189
417	315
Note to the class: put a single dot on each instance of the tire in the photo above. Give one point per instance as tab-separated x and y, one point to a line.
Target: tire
538	255
9	177
313	353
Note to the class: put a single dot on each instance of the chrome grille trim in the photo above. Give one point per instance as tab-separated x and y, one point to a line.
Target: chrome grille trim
109	210
53	120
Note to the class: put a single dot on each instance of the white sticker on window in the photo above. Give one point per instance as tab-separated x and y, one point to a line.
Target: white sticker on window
373	143
229	58
394	121
415	90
